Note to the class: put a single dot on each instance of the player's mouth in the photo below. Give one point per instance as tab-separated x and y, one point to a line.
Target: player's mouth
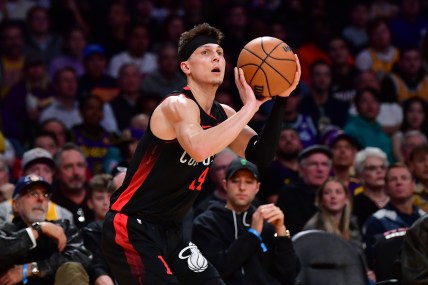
215	70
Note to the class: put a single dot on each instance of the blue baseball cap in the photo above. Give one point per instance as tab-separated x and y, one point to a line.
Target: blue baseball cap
93	49
25	181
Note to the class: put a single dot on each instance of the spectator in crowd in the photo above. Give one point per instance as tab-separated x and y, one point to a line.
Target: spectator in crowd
356	31
138	52
343	72
364	128
98	270
343	148
390	115
12	55
167	77
99	195
56	127
37	251
314	49
400	212
171	29
319	104
239	238
296	200
15	10
380	56
302	123
26	99
217	175
415	118
384	9
47	141
64	107
95	80
334	215
418	163
122	150
124	105
70	189
284	168
6	188
235	22
408	28
370	166
40	40
408	79
113	37
410	140
90	136
414	252
39	162
72	55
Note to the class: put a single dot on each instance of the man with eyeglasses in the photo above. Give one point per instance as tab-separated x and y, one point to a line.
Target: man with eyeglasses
40	162
296	200
35	251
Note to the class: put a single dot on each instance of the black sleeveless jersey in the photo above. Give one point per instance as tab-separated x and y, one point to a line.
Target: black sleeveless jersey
162	180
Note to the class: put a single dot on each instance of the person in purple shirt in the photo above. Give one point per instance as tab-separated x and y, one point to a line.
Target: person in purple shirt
72	57
26	99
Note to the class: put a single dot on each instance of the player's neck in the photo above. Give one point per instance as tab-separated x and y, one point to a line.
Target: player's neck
204	95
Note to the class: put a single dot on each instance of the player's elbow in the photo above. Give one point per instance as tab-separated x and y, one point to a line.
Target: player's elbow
199	154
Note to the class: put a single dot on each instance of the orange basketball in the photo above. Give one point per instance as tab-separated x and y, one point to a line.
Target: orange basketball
269	65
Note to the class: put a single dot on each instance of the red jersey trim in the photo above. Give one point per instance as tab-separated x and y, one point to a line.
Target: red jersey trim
122	239
146	165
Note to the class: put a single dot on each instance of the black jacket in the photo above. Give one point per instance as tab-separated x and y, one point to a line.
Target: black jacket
222	236
15	244
92	239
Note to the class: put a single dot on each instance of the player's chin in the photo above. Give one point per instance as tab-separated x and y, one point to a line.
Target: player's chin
217	82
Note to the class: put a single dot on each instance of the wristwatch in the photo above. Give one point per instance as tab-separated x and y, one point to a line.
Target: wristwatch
37	227
35	269
287	234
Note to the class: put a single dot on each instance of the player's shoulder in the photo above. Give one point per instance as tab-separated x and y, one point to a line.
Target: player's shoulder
178	99
227	109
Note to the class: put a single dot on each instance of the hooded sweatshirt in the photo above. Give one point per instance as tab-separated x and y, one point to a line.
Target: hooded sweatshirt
223	238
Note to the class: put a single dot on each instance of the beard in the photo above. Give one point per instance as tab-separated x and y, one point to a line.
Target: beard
291	155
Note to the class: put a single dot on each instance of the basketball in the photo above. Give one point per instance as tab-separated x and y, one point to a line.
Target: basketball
269	66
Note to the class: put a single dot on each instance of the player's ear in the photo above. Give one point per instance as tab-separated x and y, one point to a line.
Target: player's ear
184	67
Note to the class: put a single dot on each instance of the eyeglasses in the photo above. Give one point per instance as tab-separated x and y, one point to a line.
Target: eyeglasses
375	167
37	195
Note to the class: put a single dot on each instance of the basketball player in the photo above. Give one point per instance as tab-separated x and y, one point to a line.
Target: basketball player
142	236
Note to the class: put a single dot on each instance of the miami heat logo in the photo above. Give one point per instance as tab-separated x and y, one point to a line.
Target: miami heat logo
195	260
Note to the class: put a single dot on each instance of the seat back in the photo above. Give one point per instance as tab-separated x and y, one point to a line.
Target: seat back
386	254
327	259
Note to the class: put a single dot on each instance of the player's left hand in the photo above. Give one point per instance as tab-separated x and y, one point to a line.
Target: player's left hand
296	80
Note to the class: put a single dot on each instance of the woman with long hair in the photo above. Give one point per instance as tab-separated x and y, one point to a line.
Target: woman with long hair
415	118
334	202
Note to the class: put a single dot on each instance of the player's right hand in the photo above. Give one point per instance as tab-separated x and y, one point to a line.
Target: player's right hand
246	92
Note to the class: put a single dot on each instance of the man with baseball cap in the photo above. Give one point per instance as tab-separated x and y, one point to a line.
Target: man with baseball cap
34	249
344	149
237	237
297	199
37	161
